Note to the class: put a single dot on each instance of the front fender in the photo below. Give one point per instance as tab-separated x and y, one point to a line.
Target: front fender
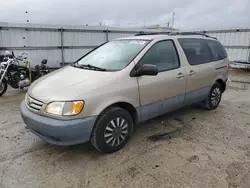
104	106
95	105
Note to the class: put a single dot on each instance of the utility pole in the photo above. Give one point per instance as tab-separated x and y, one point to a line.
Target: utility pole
168	25
173	21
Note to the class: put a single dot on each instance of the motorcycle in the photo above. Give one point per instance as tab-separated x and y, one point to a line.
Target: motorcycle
19	76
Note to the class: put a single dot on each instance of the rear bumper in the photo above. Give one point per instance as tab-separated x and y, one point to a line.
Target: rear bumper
58	132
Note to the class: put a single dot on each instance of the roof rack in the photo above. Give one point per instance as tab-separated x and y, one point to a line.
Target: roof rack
155	33
175	33
192	33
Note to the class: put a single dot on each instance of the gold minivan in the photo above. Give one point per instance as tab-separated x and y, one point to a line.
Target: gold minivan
102	96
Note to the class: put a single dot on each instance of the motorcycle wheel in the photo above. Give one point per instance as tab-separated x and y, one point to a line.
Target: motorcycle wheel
3	87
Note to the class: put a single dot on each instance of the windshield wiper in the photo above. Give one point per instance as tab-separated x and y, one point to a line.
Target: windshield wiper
88	66
95	67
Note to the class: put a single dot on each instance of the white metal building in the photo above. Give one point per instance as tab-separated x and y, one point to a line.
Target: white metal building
64	44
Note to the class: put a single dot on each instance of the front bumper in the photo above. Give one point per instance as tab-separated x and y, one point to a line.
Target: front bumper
58	132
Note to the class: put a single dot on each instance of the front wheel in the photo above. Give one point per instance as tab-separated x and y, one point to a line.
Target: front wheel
3	87
112	130
214	97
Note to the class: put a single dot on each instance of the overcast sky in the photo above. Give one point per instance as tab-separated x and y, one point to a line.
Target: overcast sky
190	14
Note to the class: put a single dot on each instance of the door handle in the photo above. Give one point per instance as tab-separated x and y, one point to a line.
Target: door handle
180	75
191	73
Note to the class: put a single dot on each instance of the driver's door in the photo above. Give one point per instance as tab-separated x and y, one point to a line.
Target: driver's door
164	92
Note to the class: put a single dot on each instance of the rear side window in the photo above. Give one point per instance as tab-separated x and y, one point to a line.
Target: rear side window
163	55
217	50
196	50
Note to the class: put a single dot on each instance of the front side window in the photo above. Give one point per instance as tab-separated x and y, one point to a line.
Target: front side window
196	50
114	55
163	55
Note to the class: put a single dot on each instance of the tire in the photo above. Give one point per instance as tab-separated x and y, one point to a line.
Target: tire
214	97
102	135
3	87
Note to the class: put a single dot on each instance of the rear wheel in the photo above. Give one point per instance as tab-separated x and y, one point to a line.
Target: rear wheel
3	87
112	130
214	97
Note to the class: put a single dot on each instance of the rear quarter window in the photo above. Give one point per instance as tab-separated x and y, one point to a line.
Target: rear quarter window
218	51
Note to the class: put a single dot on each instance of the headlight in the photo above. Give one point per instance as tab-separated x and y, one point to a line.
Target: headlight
65	108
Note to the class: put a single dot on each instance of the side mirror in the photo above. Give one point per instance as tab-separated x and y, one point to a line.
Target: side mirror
147	69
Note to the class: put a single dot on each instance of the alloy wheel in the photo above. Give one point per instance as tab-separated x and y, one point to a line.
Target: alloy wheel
215	97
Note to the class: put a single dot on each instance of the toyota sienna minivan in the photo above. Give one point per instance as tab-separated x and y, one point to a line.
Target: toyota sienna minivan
102	96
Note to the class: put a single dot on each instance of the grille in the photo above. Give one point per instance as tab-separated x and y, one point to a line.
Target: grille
33	103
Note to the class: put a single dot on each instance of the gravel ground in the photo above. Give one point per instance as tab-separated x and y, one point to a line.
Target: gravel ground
191	147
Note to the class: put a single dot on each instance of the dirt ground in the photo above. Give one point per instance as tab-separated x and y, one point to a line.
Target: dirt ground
191	147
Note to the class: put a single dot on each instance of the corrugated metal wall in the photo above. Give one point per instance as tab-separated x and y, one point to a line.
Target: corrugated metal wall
64	44
59	44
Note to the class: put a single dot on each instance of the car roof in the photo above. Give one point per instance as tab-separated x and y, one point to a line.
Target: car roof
163	36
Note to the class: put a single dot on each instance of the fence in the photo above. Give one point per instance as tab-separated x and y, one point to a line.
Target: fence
64	44
58	44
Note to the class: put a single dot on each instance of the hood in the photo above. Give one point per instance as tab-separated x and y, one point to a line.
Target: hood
68	83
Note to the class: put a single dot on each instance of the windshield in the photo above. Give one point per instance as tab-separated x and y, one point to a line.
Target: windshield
114	55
